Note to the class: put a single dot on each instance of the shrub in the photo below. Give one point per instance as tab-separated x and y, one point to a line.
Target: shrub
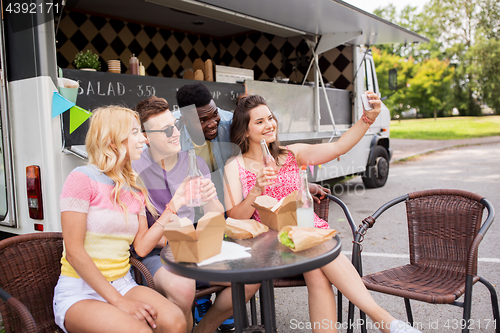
87	60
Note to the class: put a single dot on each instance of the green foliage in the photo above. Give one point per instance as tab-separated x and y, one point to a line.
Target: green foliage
408	18
429	89
424	85
464	33
446	128
486	65
87	60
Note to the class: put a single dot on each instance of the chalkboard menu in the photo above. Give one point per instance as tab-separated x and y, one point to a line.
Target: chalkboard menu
101	88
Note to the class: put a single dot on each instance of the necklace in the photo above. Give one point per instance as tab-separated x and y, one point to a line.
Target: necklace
255	158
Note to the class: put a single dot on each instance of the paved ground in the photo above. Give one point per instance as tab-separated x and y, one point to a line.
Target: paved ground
473	167
405	148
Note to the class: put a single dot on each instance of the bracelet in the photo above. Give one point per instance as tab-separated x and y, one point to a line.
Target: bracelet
167	206
157	221
367	120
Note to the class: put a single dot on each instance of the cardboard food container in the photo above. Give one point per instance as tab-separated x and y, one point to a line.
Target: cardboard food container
276	214
190	245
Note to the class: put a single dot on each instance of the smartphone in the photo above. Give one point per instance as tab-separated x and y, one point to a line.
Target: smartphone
366	104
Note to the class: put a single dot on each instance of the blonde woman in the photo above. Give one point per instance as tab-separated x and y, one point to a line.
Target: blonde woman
102	214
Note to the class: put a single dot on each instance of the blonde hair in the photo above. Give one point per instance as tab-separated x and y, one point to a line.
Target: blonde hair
106	144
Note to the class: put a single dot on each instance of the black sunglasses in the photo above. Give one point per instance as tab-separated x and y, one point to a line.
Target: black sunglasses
169	130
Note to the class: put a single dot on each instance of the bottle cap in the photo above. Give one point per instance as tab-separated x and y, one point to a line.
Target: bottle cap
303	167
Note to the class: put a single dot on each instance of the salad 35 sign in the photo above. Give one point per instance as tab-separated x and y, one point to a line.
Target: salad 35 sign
115	89
100	88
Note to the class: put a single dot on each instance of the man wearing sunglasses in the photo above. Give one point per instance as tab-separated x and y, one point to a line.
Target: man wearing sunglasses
162	168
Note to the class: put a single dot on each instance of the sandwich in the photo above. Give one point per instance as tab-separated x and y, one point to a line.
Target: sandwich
244	229
300	238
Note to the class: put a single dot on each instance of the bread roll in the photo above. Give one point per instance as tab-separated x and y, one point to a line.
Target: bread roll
209	72
198	75
188	74
198	64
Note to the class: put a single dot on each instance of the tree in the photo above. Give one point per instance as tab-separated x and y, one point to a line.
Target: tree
486	65
424	85
406	69
430	88
464	31
410	19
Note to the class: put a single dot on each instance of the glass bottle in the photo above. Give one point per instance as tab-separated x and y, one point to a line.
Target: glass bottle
193	183
305	205
268	159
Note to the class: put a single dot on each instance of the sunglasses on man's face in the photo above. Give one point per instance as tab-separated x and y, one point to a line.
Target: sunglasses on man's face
169	130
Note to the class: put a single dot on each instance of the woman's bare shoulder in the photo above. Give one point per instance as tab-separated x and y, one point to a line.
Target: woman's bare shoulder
232	162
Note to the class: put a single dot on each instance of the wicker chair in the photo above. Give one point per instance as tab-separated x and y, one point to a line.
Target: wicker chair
30	266
444	234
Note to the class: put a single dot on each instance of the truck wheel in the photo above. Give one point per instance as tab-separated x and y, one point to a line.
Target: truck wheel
377	171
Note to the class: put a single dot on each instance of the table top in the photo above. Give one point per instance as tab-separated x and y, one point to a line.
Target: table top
270	260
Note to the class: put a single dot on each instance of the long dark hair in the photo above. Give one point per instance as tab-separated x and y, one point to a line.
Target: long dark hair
241	119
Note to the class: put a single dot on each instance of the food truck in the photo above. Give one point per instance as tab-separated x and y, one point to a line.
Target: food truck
309	59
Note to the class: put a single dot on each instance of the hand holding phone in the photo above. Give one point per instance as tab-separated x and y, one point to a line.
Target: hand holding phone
366	103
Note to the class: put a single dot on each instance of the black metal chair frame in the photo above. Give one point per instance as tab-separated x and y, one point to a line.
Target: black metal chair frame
466	304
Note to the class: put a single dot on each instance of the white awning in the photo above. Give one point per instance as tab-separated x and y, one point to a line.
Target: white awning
338	22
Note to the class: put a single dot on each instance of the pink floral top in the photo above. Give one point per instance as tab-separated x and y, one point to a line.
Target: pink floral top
288	178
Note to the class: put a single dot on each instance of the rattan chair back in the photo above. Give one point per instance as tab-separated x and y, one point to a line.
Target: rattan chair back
30	266
442	225
445	229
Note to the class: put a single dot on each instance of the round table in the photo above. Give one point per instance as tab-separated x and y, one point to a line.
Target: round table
270	260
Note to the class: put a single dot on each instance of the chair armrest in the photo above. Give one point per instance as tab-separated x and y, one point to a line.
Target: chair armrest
21	310
369	221
347	213
137	264
473	251
366	224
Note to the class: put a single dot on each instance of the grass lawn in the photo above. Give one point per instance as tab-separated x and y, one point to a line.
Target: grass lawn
449	128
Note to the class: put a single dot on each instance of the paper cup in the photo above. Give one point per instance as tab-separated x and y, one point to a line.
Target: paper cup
114	66
68	89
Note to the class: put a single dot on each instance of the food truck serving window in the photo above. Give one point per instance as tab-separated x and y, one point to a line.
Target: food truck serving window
99	89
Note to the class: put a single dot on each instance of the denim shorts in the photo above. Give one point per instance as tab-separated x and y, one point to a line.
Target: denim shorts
153	263
69	291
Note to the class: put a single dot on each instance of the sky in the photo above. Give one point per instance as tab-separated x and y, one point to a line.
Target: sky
370	5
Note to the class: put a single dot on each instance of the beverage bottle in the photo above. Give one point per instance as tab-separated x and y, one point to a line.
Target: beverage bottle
193	182
134	65
305	205
268	159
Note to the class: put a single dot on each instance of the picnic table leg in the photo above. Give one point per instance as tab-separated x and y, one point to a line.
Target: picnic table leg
239	306
267	306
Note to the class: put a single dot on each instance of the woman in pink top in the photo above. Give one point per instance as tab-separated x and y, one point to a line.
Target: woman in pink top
102	214
247	178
